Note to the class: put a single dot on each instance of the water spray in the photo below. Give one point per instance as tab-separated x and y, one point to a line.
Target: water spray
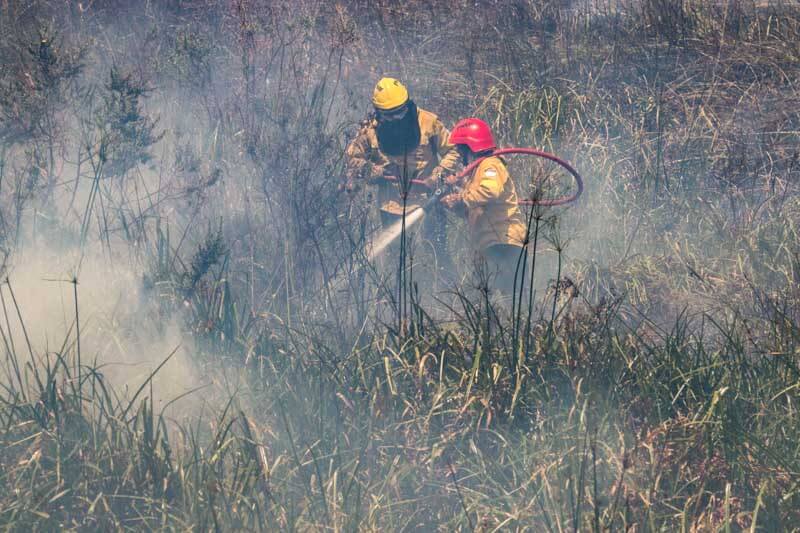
393	232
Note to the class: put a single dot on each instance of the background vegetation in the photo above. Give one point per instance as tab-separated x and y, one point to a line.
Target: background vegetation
646	377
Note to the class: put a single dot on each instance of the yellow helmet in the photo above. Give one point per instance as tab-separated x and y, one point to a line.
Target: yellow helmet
389	93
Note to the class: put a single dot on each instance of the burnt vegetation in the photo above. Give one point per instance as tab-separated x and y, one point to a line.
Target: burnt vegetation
645	376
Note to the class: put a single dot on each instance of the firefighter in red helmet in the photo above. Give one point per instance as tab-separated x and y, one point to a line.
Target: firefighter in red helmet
496	224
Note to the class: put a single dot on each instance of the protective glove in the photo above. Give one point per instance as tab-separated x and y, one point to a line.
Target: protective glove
451	180
433	181
452	200
392	172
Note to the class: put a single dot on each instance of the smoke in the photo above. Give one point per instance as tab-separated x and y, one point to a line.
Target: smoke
121	332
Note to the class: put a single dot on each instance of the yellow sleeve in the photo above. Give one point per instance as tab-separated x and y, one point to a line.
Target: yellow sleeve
358	165
487	185
447	152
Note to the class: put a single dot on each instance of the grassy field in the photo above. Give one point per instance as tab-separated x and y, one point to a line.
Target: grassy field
193	340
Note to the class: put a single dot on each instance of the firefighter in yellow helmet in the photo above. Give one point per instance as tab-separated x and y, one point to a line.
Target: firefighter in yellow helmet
496	224
399	143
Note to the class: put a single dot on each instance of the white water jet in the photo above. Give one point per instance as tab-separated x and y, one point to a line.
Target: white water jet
393	232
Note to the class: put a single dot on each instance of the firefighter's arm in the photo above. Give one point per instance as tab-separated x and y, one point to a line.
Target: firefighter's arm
452	200
447	153
359	168
486	186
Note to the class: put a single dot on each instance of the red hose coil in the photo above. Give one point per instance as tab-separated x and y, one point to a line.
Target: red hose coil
562	200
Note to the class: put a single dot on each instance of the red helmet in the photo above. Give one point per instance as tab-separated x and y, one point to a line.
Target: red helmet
473	132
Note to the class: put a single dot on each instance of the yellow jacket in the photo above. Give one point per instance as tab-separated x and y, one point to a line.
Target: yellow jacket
366	162
492	209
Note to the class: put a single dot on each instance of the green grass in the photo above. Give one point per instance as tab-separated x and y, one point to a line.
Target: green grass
613	429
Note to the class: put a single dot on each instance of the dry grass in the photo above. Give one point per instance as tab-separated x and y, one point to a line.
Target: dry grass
646	377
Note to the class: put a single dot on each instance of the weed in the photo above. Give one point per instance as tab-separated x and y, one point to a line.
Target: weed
645	377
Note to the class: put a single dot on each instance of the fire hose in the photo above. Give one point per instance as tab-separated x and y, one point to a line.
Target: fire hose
549	202
394	231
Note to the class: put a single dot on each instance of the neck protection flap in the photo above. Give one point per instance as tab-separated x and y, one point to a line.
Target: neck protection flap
402	136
